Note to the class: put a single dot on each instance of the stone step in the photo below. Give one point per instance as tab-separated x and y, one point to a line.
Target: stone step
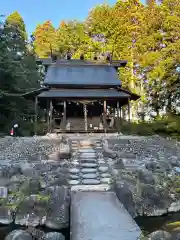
88	160
87	150
89	165
89	170
98	188
90	181
90	176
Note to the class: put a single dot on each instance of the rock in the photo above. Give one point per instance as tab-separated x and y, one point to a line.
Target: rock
105	180
65	152
125	196
154	200
55	156
5	215
159	235
31	186
105	175
90	176
90	181
88	170
9	171
103	169
127	155
174	207
152	166
88	160
74	182
39	157
3	192
108	152
19	235
61	180
32	210
54	236
118	164
86	150
146	177
177	169
89	165
73	177
74	170
58	208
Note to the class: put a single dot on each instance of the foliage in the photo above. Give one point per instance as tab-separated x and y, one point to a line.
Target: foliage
18	72
147	36
165	126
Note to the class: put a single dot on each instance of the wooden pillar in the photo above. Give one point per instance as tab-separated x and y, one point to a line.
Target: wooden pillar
36	115
85	117
120	113
64	116
104	115
51	111
118	110
129	111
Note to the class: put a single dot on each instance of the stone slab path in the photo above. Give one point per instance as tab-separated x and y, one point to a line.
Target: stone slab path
88	167
100	216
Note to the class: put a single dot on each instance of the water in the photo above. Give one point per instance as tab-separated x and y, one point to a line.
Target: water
151	224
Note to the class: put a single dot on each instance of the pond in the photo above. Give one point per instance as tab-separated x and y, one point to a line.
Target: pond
151	224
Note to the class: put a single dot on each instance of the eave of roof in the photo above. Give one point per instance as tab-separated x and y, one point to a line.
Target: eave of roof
84	94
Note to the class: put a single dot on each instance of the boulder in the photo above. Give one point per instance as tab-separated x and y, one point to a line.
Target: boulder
6	216
151	200
146	177
65	151
18	235
31	186
58	207
125	196
54	236
54	156
32	210
107	151
118	164
159	235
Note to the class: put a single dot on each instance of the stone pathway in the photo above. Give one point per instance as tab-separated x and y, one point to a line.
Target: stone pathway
88	167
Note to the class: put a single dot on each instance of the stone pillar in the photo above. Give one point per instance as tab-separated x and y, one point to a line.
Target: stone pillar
51	111
36	115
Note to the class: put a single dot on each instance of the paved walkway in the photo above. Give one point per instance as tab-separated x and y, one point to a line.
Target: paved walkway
96	213
100	216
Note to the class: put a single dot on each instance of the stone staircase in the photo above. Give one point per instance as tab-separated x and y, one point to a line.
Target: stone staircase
76	124
88	166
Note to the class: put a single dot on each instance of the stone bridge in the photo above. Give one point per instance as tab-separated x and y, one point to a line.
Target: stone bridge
96	212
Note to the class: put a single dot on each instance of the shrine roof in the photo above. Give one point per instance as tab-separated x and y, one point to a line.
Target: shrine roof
81	73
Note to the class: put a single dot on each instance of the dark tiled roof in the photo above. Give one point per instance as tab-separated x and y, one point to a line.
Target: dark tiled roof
81	74
84	93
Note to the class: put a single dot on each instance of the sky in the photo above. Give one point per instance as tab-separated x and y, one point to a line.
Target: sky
38	11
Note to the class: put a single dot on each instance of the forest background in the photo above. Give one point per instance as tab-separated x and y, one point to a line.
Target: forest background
147	36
